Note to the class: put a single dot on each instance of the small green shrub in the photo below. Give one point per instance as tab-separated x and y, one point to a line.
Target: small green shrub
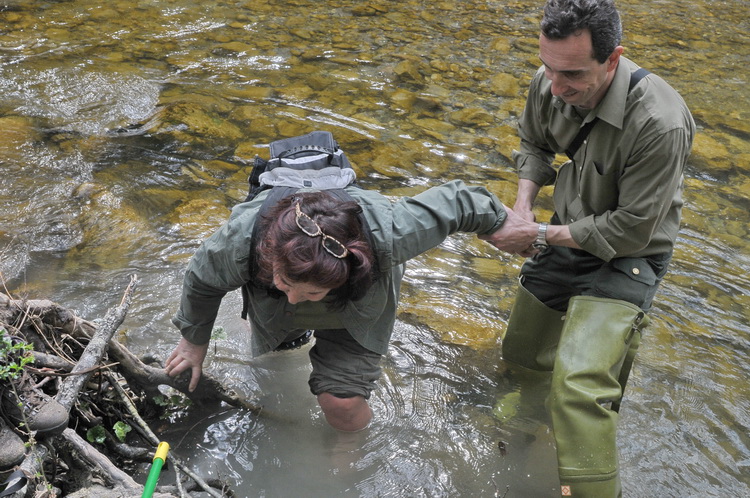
13	357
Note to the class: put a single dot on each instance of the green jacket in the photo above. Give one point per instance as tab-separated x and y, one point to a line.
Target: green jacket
622	194
401	230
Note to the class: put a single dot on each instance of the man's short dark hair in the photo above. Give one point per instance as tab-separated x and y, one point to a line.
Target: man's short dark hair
563	18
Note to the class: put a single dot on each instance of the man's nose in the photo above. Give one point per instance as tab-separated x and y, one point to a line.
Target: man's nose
558	83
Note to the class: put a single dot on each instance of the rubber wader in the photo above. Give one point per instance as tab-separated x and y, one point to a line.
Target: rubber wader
598	340
533	332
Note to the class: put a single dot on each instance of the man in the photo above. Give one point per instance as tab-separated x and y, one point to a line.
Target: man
595	268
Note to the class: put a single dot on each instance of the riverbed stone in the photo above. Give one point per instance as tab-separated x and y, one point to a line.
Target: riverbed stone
247	112
247	150
404	98
505	85
202	124
198	218
297	90
505	138
472	116
390	161
239	47
430	125
713	153
254	92
408	72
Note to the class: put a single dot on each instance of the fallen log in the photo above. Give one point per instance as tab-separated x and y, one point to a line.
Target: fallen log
97	460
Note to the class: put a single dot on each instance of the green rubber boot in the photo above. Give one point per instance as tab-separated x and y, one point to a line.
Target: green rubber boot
594	350
533	332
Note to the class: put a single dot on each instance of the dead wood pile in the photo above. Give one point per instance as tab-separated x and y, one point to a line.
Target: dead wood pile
100	382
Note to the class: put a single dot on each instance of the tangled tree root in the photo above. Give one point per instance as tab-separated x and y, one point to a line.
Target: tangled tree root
100	382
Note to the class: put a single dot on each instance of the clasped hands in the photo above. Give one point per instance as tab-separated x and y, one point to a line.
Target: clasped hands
517	234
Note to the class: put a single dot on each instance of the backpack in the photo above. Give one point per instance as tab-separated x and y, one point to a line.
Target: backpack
307	161
313	160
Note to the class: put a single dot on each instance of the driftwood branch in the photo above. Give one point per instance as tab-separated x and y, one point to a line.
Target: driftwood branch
97	346
31	465
95	459
56	332
67	396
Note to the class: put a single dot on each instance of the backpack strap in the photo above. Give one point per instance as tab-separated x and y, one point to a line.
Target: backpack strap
635	77
255	188
274	196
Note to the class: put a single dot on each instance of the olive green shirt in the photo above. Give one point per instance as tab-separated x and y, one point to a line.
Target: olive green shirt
401	230
622	193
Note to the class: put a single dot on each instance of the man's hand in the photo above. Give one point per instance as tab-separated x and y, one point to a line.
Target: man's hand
187	356
516	236
525	213
527	192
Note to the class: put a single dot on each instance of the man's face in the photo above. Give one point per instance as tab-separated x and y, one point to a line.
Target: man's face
577	77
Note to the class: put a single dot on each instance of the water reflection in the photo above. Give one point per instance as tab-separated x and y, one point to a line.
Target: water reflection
126	130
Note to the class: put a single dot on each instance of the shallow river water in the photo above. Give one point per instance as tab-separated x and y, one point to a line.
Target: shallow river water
126	130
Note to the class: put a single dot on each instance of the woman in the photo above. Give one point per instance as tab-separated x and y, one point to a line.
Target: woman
326	265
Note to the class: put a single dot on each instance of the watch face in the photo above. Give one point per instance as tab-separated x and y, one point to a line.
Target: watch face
541	247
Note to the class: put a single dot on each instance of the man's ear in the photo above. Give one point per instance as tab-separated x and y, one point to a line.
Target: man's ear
614	58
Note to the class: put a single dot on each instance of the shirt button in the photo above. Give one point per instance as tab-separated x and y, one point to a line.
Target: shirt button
288	313
636	271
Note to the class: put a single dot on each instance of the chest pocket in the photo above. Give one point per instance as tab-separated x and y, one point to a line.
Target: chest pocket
598	173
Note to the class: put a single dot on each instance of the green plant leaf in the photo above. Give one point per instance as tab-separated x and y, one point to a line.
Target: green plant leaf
121	430
96	434
13	357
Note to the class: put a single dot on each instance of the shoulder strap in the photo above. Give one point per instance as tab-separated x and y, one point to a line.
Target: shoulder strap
259	167
635	77
274	196
583	132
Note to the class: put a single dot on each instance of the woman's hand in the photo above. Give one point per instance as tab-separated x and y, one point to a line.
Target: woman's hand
187	356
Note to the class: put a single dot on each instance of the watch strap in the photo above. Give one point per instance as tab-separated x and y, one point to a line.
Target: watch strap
541	236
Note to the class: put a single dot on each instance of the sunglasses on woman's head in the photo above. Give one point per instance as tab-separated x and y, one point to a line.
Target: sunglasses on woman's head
312	229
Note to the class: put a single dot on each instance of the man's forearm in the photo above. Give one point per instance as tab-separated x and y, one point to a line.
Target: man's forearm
559	235
527	192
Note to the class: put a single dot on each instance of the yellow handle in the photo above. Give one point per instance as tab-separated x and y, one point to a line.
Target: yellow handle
161	451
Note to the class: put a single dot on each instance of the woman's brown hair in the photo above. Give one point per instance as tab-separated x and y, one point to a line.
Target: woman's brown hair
283	246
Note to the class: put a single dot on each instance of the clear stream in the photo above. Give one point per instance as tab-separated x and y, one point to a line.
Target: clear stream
126	127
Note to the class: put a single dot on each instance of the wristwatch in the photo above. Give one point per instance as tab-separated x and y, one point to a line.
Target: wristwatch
541	237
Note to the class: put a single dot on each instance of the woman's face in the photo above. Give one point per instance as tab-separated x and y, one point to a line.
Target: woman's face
298	292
